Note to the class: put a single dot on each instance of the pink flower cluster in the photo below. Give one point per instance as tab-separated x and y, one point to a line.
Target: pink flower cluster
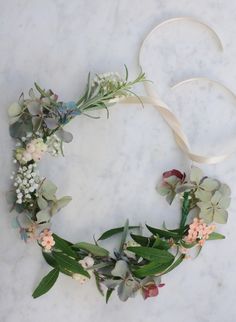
35	150
199	231
47	240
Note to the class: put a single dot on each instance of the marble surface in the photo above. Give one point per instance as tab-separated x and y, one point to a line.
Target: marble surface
112	166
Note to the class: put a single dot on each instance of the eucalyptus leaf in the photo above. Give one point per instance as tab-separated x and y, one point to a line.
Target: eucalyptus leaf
64	136
127	288
43	216
121	269
42	203
60	203
48	189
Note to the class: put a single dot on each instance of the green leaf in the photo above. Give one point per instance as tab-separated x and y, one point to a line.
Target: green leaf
124	235
163	233
162	256
141	240
46	283
93	249
63	245
175	264
161	244
69	264
49	259
114	231
214	236
108	294
152	268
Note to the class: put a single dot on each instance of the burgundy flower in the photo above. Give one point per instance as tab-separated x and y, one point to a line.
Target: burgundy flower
175	173
151	290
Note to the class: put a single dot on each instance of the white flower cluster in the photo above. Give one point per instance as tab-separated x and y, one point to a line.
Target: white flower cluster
53	145
108	81
26	182
86	263
34	151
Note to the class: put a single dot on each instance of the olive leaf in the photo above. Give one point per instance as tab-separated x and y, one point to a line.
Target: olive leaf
46	283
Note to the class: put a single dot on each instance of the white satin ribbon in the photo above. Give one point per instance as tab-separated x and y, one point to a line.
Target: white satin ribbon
164	110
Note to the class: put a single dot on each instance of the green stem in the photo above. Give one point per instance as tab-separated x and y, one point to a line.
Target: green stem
185	210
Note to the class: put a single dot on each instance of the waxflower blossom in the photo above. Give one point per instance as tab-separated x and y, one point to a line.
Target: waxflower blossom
151	289
199	232
34	150
47	240
54	145
87	262
80	278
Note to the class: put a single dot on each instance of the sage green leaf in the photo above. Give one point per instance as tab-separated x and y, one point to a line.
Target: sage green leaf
17	129
114	231
152	268
221	216
162	256
46	283
121	269
60	203
43	216
14	109
64	136
42	203
209	184
69	264
11	197
93	249
214	236
51	123
48	189
196	175
225	190
64	246
127	288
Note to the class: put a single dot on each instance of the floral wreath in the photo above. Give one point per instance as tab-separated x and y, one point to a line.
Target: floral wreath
137	265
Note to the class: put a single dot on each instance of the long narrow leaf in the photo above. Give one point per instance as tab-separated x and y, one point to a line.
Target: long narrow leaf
46	283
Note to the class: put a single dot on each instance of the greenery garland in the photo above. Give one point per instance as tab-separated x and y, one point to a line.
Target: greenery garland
37	123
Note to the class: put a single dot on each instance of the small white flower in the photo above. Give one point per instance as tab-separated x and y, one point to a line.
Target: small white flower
80	278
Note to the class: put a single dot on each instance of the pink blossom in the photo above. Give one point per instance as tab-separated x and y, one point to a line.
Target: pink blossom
199	232
151	290
47	242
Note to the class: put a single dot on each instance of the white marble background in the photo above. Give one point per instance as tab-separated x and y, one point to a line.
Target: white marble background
112	166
